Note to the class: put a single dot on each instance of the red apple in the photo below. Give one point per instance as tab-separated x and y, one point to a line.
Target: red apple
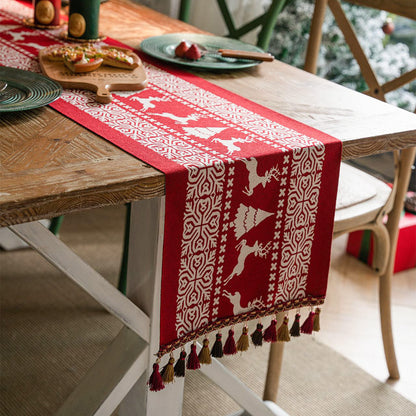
181	49
193	53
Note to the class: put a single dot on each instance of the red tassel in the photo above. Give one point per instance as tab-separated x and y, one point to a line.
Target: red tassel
155	381
257	335
295	329
270	334
229	346
307	326
217	347
193	361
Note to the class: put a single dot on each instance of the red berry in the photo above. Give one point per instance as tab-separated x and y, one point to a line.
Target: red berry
193	53
388	27
181	49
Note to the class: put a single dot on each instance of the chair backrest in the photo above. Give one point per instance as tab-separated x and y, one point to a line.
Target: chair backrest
266	21
405	8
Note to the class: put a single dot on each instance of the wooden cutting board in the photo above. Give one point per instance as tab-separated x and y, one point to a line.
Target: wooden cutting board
101	81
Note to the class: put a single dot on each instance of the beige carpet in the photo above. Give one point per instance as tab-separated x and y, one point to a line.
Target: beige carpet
51	333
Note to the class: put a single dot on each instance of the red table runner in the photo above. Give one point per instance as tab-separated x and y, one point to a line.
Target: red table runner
250	193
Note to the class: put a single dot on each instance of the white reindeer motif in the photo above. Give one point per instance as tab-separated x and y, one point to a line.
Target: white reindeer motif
230	144
178	119
254	179
235	300
148	102
245	250
19	35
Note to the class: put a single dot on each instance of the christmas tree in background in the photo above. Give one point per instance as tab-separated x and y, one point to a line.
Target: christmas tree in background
389	53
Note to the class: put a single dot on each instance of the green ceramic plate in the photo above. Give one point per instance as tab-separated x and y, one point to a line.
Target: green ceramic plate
26	90
163	47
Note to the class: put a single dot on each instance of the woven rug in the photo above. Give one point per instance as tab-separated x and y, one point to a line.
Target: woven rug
52	333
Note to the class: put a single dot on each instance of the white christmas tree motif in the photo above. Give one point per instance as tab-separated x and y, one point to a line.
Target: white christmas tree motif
235	300
247	218
254	179
179	119
148	102
230	144
258	249
203	132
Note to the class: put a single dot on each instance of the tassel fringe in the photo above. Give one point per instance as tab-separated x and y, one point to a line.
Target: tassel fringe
155	381
283	331
193	360
180	365
168	371
243	342
158	379
217	347
229	346
257	335
270	334
316	323
295	329
307	326
204	355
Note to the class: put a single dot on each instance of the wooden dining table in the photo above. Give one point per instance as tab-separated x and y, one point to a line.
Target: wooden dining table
51	166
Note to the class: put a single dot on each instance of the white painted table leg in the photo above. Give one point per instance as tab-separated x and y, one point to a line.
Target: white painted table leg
238	391
143	288
110	379
58	254
277	411
10	241
123	362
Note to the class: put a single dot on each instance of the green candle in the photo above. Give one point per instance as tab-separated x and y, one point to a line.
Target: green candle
83	19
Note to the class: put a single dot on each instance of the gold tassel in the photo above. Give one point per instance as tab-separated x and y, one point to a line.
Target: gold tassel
168	371
204	355
283	331
316	323
243	341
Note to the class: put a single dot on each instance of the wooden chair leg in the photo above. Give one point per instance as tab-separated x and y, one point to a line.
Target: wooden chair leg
406	159
382	248
315	35
274	367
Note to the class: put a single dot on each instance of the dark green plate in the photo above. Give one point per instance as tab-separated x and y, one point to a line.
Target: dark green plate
26	90
163	47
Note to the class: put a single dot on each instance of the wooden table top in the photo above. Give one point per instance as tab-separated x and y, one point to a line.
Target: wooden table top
51	166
